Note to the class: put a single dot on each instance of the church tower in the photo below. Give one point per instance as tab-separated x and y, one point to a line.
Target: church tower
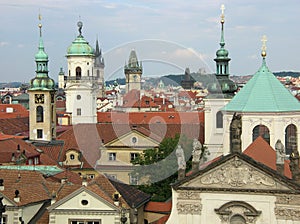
133	72
99	70
81	85
267	109
221	91
42	119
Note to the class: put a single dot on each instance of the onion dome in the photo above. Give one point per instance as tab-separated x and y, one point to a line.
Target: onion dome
222	86
42	81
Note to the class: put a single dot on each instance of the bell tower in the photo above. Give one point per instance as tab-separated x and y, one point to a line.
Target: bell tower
133	72
42	118
81	86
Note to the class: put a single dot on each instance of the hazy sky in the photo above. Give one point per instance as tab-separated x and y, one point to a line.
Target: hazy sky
168	35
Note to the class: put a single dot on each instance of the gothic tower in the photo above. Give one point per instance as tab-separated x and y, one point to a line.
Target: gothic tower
99	70
42	118
81	84
133	72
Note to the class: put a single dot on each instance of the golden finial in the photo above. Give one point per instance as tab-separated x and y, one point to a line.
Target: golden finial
40	24
222	14
264	47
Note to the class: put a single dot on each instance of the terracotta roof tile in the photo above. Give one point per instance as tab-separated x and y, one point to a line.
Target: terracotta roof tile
159	207
262	152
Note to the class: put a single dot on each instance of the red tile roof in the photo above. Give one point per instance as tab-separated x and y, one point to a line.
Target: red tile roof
14	126
13	111
262	152
8	147
158	207
151	117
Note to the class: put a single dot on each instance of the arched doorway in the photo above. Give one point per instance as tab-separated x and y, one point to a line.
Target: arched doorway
261	130
290	138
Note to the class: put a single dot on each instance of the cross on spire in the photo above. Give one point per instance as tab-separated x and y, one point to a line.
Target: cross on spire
222	8
264	46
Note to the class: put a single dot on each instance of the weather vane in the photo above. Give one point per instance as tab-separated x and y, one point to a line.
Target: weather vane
264	46
222	15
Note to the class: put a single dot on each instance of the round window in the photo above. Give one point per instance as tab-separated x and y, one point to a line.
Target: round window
72	156
134	140
84	202
78	97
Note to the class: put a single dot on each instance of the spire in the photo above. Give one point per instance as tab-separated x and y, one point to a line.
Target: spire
98	52
223	85
99	60
222	54
41	81
222	42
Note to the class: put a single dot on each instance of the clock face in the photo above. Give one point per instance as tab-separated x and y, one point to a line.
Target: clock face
39	98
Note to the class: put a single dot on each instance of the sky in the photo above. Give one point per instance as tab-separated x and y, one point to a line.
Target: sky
167	35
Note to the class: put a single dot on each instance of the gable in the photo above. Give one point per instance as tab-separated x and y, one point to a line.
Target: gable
83	200
133	139
236	174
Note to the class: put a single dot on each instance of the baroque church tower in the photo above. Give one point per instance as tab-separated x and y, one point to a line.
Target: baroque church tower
133	72
221	91
81	85
42	119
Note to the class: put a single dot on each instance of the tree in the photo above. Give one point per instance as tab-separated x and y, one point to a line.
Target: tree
157	168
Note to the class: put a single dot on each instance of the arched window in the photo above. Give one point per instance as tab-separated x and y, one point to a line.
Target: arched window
78	73
219	119
290	138
261	130
39	114
237	219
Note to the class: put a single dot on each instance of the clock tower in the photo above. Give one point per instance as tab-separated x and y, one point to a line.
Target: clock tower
42	118
133	72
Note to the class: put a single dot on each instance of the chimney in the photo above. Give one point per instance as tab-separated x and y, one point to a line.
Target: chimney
63	180
53	197
13	158
17	196
1	185
84	180
116	197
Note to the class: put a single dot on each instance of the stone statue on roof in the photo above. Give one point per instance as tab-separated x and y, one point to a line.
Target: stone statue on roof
280	152
235	133
181	162
196	153
180	158
294	164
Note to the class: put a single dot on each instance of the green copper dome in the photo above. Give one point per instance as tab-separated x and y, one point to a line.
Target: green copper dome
41	55
42	81
222	53
263	93
80	47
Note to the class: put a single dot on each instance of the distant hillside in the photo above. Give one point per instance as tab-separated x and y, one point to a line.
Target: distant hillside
292	74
